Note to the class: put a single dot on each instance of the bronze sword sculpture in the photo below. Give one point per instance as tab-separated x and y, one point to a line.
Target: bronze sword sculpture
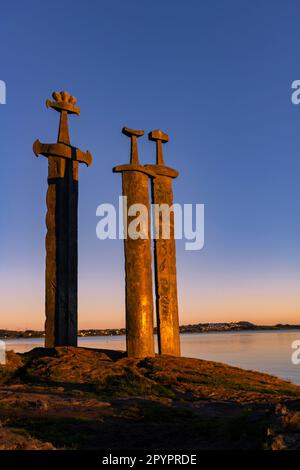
165	254
138	269
61	222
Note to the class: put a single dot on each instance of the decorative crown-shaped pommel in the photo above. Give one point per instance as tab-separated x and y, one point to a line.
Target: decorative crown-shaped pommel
63	101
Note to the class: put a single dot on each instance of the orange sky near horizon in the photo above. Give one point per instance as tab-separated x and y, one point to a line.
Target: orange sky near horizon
101	304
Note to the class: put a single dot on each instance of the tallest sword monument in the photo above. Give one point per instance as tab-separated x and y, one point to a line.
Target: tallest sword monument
62	226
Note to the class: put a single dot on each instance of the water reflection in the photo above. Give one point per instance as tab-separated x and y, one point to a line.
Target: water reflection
266	351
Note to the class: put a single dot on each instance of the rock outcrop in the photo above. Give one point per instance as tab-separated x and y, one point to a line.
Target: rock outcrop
79	398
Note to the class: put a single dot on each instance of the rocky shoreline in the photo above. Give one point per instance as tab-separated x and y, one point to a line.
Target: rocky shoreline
81	398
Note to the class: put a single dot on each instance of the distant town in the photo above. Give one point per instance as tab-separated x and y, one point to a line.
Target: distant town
197	328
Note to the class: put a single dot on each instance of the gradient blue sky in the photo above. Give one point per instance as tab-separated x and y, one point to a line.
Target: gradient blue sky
215	75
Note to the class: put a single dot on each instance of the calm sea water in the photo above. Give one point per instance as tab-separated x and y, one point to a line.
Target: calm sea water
266	351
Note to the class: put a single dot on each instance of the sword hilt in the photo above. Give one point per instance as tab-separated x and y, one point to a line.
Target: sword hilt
64	103
160	138
133	134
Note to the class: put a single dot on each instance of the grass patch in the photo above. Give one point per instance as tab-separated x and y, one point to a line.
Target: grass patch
130	383
71	433
5	375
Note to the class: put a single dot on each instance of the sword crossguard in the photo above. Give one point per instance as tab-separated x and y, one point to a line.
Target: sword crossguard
62	151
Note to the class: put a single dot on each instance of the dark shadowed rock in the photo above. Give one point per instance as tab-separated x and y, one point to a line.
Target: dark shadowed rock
96	399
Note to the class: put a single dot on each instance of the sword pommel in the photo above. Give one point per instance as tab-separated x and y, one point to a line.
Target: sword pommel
63	101
158	135
132	132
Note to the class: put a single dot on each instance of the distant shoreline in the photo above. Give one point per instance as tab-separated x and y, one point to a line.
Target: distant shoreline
196	328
